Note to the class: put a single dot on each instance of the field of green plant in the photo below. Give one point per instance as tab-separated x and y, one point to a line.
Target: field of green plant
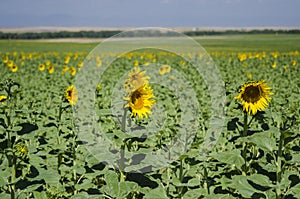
255	156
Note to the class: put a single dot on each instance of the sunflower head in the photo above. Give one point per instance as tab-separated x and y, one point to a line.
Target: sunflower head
65	68
164	69
254	96
71	95
3	99
136	79
73	70
14	68
51	69
140	101
21	150
41	67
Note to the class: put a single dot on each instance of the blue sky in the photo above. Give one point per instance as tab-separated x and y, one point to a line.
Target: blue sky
145	13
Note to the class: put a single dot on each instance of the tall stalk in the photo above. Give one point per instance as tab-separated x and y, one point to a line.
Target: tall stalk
181	176
279	163
244	151
122	151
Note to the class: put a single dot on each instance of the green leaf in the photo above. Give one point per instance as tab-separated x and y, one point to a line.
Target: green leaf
263	141
117	189
112	185
40	195
81	195
219	196
32	187
193	193
50	176
261	180
159	192
4	195
85	185
125	188
4	175
296	190
242	186
296	158
193	182
225	182
16	128
230	157
270	194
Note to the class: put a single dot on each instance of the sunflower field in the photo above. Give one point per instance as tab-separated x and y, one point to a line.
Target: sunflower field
256	155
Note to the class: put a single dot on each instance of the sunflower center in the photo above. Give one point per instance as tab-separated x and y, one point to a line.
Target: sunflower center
70	93
252	94
136	100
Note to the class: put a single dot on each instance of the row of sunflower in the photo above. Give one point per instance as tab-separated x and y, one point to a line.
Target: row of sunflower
257	155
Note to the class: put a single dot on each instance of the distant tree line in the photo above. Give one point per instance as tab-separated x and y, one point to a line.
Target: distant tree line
60	34
141	33
236	32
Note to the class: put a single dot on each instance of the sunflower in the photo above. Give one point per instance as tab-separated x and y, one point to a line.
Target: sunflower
2	99
51	69
140	101
5	60
254	96
136	63
80	64
71	95
14	68
48	63
21	150
136	79
41	67
249	75
10	63
65	68
164	69
67	59
72	70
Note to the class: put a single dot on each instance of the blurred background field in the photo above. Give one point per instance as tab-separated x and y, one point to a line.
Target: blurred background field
42	155
235	43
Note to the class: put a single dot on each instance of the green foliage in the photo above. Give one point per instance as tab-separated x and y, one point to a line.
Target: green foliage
41	155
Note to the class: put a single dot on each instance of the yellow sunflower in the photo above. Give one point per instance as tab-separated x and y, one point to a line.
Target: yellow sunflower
65	68
51	69
80	64
254	96
136	63
5	60
71	95
67	59
140	101
249	75
72	70
14	68
21	150
136	79
164	69
41	67
48	63
10	63
3	99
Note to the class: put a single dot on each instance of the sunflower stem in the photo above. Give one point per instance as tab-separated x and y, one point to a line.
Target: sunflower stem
206	182
244	151
279	163
124	120
181	176
122	151
13	177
